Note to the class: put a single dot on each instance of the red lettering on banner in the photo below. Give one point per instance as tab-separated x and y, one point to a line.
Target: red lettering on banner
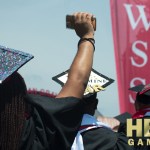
142	16
139	53
131	24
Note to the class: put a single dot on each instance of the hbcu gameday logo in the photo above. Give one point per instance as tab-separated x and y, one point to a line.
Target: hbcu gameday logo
138	132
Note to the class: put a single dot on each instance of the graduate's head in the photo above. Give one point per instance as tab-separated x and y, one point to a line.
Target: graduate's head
12	111
12	93
91	103
142	99
13	86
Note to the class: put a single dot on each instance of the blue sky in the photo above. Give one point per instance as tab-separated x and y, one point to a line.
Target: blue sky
38	27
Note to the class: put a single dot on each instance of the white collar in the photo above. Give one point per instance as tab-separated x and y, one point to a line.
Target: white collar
93	123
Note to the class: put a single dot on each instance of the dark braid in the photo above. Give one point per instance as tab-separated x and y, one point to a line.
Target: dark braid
12	111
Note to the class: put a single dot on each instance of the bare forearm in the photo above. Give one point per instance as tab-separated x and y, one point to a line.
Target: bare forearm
79	71
82	64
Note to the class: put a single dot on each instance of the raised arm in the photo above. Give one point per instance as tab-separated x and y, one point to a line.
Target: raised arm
82	64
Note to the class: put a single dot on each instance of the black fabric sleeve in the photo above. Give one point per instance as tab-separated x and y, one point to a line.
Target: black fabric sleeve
105	139
53	123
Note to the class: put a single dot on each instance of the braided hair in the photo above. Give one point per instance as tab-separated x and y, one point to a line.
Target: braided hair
12	111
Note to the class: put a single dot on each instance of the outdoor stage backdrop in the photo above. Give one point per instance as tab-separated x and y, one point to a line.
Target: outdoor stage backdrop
131	34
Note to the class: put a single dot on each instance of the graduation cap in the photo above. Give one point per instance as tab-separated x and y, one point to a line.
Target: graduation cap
143	93
96	83
11	60
123	117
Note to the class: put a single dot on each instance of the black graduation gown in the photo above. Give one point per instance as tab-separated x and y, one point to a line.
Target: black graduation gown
53	123
105	139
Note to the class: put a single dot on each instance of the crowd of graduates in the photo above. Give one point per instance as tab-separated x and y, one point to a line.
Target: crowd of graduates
34	121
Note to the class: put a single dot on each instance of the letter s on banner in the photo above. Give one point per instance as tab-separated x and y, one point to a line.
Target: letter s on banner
131	35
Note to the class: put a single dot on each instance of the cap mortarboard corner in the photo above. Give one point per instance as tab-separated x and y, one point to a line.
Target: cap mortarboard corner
11	60
143	93
137	88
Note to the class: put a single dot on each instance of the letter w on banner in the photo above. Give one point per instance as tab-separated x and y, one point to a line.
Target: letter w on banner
131	33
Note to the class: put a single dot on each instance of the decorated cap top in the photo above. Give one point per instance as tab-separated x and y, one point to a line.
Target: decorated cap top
96	83
11	60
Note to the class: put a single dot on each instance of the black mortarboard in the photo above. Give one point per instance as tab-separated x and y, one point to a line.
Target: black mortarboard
143	93
123	117
97	81
11	60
